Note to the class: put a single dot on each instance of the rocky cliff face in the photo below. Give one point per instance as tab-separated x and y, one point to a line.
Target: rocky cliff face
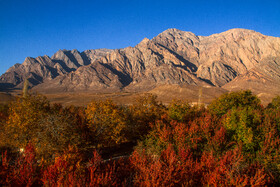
229	59
221	57
43	68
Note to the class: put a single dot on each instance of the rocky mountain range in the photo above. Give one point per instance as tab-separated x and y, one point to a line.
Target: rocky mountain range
235	59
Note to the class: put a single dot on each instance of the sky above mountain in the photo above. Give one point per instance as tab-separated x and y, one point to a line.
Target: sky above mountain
35	28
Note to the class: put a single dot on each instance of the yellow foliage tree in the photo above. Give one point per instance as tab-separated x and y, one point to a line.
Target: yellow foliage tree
107	121
24	116
144	112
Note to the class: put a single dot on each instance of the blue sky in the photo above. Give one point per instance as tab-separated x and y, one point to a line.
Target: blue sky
38	27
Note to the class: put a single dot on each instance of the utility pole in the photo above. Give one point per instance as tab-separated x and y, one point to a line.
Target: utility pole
199	96
25	88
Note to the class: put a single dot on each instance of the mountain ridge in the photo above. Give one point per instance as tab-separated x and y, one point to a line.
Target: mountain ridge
173	57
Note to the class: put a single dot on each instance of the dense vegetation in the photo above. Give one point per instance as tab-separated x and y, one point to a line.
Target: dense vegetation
235	141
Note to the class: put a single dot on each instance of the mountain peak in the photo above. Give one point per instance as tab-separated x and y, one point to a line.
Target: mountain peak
144	41
172	30
238	32
74	51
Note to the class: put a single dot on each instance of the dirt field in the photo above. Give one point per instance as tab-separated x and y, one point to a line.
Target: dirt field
165	94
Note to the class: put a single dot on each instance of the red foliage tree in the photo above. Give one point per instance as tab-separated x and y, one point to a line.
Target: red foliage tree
170	169
25	170
101	174
5	170
65	171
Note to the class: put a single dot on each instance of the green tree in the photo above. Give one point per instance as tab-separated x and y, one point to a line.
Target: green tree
242	125
275	103
231	100
177	110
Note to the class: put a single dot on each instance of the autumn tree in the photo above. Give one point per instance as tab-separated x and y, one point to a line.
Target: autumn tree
3	118
167	169
24	116
107	121
144	112
79	120
195	135
65	171
269	153
50	128
56	132
4	111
